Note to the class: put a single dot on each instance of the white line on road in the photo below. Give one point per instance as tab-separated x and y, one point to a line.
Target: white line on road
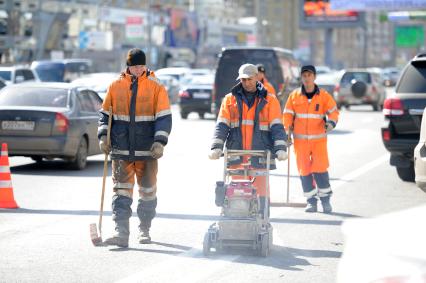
360	171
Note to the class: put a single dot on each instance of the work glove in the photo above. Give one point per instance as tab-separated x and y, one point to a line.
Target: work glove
215	153
329	126
103	145
157	150
281	155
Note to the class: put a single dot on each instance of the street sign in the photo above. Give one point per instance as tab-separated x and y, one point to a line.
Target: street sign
134	28
409	36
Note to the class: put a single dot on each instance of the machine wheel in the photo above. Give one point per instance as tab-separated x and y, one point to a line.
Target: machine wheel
37	159
80	160
206	244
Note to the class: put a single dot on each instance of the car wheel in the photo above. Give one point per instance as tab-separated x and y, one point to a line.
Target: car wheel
80	160
201	115
37	159
406	173
184	115
376	106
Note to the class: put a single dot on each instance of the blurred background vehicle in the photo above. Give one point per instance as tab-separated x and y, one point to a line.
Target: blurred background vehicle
172	86
98	82
61	70
176	72
403	112
420	156
50	120
385	249
17	74
328	81
360	87
391	76
196	96
279	63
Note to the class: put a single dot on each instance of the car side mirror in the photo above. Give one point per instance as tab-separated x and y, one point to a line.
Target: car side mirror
19	79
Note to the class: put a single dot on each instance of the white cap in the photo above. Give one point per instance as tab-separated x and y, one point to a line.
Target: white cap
247	71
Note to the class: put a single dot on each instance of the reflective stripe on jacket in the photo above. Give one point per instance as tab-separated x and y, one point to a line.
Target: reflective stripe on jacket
141	116
256	128
308	118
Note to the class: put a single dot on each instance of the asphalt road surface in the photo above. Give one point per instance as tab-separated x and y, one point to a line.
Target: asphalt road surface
47	239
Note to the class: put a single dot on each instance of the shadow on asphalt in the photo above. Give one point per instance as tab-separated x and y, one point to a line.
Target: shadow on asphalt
150	248
179	216
94	168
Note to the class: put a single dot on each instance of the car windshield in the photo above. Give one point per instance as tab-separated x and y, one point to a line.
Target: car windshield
7	75
351	77
414	79
51	72
34	96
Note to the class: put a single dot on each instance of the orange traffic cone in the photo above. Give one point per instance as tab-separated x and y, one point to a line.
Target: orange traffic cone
6	190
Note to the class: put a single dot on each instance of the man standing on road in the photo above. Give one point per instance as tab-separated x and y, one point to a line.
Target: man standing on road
140	128
250	119
262	78
310	113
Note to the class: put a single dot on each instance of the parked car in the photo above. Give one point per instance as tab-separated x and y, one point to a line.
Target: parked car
50	120
388	248
65	70
17	74
280	65
98	82
403	113
360	87
196	96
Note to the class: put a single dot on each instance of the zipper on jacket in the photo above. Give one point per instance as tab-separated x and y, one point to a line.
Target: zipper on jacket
132	124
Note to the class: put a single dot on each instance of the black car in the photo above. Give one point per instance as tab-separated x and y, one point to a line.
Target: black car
196	96
50	120
403	113
281	67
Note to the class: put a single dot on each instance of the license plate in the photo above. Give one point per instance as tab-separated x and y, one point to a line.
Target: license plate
201	95
18	125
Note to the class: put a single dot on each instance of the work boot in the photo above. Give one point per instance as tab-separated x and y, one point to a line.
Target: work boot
326	206
120	237
144	237
312	205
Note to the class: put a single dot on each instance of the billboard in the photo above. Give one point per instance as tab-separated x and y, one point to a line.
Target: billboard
318	14
183	31
409	36
374	5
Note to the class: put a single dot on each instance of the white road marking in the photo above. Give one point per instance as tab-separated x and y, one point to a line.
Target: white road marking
360	171
192	266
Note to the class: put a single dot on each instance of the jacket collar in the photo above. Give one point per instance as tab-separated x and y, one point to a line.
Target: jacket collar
261	92
316	90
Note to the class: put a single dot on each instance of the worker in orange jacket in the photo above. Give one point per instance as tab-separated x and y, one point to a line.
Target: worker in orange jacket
141	125
250	119
310	113
262	78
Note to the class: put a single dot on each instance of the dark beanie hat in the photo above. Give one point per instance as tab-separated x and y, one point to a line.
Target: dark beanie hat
135	57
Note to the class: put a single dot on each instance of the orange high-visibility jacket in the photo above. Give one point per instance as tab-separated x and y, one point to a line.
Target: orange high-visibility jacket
269	87
141	116
308	119
256	128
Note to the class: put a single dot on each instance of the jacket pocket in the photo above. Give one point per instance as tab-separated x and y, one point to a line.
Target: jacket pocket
119	137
